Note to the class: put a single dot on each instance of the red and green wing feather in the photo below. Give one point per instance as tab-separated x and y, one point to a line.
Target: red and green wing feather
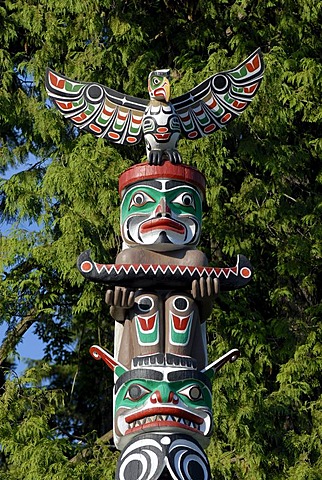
218	100
99	110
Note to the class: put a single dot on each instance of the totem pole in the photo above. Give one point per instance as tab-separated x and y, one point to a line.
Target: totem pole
160	289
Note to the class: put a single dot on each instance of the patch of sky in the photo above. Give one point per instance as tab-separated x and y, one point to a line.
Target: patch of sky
30	347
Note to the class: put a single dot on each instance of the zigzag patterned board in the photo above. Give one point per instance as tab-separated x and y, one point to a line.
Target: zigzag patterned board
164	276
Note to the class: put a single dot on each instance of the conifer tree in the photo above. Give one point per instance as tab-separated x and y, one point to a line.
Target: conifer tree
264	200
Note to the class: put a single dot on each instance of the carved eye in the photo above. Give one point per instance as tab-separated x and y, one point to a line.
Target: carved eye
145	304
139	199
193	392
156	81
181	304
136	391
185	199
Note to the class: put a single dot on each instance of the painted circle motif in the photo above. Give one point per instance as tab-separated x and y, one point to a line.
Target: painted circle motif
86	267
145	304
245	272
94	93
142	459
148	455
165	440
187	460
220	83
181	304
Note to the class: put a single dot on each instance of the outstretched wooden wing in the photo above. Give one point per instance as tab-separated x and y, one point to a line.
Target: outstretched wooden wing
97	109
219	99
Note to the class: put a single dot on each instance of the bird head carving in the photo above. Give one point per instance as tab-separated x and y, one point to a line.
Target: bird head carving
159	85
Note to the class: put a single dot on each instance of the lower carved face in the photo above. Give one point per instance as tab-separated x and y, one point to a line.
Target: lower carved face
161	214
146	402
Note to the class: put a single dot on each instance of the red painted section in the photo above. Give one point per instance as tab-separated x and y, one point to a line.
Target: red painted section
79	118
113	135
239	105
162	136
180	323
251	89
245	272
162	224
87	266
174	411
56	82
213	104
210	128
193	134
138	122
147	324
226	117
95	128
65	105
144	171
107	112
253	64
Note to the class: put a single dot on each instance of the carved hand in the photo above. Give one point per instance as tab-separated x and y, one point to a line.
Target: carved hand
204	291
120	299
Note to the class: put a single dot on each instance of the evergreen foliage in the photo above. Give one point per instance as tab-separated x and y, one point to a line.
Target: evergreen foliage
264	196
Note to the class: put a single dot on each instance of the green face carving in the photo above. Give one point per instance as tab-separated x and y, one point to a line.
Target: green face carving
146	404
164	218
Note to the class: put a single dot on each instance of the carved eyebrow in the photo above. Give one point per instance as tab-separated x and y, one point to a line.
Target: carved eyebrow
159	184
189	375
138	374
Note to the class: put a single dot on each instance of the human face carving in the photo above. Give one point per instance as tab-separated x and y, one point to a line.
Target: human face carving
162	215
174	402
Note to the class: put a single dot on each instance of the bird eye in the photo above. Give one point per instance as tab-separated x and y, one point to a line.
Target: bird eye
185	199
193	392
136	391
156	81
139	199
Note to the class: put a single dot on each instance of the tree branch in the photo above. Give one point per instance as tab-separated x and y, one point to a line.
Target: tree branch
84	453
16	334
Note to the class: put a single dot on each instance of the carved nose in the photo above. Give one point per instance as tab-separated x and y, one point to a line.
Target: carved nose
163	210
166	397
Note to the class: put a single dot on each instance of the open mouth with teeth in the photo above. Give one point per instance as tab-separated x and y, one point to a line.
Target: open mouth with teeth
165	418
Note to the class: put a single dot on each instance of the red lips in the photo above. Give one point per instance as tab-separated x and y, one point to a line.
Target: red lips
178	412
162	224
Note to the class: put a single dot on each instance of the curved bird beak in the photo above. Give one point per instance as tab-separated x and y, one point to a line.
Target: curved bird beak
162	92
166	86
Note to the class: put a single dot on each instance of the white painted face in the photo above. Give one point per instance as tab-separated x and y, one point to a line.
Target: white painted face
161	214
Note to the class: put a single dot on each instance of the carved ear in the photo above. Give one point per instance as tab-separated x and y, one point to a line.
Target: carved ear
213	367
100	354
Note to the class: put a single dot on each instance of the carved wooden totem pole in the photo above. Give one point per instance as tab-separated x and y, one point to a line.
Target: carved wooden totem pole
160	289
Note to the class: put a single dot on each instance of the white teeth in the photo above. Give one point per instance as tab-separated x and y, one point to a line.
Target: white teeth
169	418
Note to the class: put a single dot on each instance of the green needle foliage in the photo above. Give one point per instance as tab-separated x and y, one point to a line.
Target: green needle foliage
264	200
